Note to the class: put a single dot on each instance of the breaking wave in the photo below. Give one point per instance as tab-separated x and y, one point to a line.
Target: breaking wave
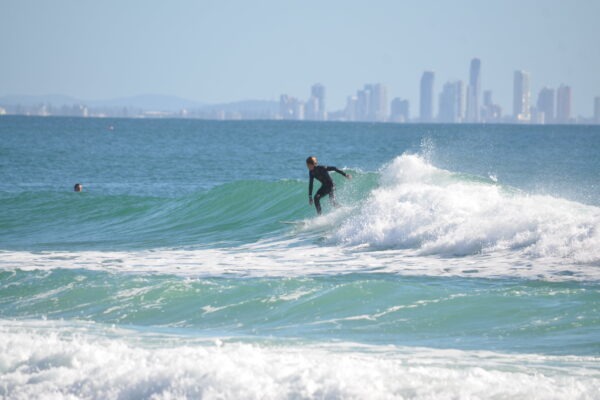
436	212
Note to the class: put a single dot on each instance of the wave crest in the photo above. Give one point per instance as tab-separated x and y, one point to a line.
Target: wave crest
433	211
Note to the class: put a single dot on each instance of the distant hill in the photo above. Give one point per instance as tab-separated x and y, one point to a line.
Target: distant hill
138	106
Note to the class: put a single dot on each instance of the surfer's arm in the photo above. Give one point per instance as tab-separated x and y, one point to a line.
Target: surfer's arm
339	171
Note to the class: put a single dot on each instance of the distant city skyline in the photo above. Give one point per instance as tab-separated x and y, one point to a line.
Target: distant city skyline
219	52
456	104
370	104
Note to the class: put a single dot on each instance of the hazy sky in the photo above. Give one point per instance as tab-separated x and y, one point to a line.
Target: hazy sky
220	51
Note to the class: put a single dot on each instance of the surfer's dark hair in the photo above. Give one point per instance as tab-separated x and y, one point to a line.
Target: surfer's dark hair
312	160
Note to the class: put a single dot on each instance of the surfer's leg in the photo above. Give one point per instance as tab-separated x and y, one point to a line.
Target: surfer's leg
318	203
320	193
332	198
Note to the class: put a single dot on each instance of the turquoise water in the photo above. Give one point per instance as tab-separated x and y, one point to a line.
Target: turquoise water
464	261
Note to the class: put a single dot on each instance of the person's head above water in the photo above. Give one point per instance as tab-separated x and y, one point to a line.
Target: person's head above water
78	187
311	162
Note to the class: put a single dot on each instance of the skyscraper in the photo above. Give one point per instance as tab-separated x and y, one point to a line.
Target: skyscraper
487	98
299	110
521	97
473	91
351	112
545	104
450	109
372	103
597	110
426	100
318	91
363	106
491	112
563	104
379	102
486	114
311	109
460	100
286	110
290	108
400	110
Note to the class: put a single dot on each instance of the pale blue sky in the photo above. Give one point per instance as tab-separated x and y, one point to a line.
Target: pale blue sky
220	51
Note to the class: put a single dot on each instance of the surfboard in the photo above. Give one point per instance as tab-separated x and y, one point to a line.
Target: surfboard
291	222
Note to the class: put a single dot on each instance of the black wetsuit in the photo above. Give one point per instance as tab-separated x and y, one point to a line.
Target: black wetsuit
321	173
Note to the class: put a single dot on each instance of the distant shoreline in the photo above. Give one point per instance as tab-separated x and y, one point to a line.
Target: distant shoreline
164	118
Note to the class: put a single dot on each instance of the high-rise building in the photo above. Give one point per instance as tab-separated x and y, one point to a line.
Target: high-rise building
400	110
379	103
318	91
372	103
351	111
290	108
487	98
473	91
286	110
487	106
563	104
491	112
311	109
521	97
363	109
299	110
450	109
597	110
545	105
460	100
426	100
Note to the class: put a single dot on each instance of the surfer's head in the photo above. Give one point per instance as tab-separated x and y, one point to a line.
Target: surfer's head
311	162
78	187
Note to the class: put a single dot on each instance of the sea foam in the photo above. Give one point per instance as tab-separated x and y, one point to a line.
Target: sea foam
47	360
431	211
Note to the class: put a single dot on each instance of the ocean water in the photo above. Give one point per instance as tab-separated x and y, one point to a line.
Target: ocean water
463	262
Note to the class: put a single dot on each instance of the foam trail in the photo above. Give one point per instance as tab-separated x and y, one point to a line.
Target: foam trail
293	259
72	362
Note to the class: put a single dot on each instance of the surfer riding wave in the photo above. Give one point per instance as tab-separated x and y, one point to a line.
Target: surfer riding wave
321	173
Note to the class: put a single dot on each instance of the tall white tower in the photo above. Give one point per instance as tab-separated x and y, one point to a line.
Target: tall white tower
473	91
426	100
521	97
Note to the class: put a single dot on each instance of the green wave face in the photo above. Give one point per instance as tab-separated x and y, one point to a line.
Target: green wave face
233	212
228	214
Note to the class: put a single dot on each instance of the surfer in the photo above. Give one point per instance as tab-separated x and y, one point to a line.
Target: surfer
78	187
321	173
